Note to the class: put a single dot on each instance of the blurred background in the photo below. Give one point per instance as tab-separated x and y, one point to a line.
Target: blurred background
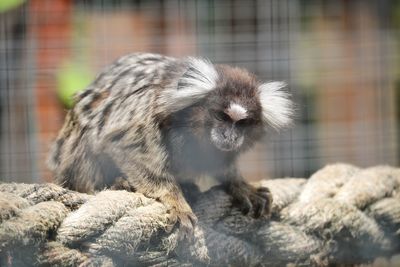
340	59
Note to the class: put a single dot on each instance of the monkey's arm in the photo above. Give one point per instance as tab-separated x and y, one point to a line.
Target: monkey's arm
248	198
144	169
164	189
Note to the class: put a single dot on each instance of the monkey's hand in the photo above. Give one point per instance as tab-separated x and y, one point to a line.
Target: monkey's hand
185	221
181	214
248	198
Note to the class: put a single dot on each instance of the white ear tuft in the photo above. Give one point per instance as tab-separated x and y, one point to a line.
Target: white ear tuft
199	79
200	76
277	108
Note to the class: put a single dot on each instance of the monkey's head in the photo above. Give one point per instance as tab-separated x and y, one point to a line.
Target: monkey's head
230	108
234	114
241	108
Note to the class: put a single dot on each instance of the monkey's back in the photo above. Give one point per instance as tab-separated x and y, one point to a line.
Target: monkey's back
120	108
125	91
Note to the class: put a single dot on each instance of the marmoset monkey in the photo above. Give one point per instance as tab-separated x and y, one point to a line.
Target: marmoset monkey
149	123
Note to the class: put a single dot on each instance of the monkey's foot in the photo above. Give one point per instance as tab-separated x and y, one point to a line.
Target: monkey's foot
251	199
185	222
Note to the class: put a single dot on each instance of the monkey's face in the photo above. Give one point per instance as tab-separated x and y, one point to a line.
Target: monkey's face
235	111
235	125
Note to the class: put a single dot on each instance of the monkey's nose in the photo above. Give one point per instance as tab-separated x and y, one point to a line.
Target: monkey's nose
230	135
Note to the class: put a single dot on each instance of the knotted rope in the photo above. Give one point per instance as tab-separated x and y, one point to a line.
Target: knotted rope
341	215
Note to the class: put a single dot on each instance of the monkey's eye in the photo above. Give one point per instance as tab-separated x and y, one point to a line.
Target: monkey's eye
243	122
222	116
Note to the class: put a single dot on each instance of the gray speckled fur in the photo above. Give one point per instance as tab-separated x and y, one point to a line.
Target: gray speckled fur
127	91
112	138
117	135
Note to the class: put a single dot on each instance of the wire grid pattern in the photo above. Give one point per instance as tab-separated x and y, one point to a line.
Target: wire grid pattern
339	58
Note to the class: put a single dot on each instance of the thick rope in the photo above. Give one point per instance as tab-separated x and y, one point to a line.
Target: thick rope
342	215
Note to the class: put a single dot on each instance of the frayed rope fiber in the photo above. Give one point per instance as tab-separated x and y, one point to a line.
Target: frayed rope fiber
342	215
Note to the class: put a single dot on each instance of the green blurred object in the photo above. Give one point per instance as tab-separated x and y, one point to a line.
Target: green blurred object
6	5
72	78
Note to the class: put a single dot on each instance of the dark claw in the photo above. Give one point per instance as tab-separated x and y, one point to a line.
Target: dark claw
249	198
186	223
265	193
263	189
245	205
259	206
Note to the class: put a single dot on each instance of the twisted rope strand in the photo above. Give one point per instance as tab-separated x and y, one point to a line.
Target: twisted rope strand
340	215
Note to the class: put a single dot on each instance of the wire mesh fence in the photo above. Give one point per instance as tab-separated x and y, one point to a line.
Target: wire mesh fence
340	59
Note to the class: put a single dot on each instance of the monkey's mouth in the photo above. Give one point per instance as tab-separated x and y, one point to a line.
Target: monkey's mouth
226	142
